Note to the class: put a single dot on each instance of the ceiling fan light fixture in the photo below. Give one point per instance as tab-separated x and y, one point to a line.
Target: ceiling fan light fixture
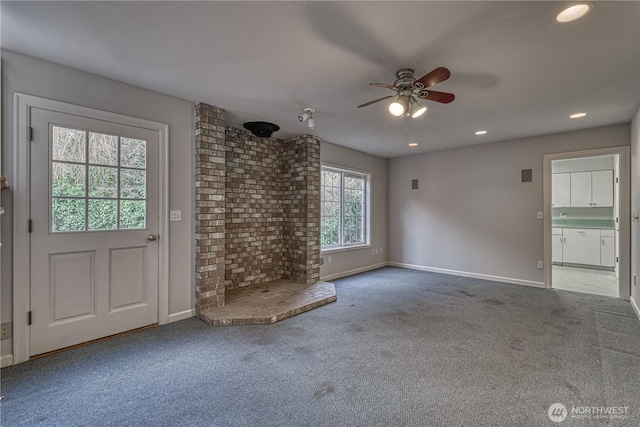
407	88
418	111
398	107
573	12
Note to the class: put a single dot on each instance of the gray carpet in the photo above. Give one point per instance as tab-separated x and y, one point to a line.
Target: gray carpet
398	348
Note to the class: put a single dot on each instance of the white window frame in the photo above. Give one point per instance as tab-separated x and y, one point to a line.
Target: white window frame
367	208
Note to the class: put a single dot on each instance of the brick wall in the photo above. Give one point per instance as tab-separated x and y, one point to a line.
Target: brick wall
254	220
209	206
301	201
257	208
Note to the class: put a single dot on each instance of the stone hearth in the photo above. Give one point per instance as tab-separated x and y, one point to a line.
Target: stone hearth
269	302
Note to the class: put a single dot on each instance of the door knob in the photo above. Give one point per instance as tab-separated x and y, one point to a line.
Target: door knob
152	237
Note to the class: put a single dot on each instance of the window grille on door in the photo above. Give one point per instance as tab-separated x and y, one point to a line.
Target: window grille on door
98	181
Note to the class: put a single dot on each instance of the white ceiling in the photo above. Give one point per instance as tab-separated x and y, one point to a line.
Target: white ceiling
514	70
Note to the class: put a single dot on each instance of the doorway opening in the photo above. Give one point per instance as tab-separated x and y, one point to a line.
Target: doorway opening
586	199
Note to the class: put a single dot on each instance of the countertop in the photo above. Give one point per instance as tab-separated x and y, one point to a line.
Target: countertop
604	224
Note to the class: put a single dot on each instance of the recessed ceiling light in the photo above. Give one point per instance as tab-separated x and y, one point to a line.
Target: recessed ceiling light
574	12
481	132
577	115
413	144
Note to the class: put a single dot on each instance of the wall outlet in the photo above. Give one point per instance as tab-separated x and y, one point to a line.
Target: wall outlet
380	250
329	259
541	265
5	330
175	215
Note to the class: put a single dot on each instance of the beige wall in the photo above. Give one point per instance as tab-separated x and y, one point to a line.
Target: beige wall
345	262
635	208
47	80
472	213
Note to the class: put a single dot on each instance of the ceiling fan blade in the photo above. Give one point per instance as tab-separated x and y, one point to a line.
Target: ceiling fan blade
384	85
377	100
438	75
433	95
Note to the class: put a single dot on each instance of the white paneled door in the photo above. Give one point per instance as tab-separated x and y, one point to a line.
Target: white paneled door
94	213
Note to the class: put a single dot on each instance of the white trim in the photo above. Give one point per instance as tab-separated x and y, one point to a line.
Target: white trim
21	252
469	274
340	168
354	271
635	307
174	317
366	176
336	249
163	224
624	280
6	360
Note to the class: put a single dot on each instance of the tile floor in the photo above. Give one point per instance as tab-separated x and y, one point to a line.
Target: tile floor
597	282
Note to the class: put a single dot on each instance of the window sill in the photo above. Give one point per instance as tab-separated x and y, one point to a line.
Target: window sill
345	249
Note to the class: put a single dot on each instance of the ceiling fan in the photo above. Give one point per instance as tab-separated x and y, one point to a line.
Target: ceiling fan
407	88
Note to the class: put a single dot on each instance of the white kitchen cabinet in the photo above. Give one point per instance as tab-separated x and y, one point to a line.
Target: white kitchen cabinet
607	251
581	246
561	189
581	189
602	188
588	189
556	245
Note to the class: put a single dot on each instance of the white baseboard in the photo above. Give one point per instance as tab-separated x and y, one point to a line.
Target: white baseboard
635	307
6	360
182	315
354	271
468	274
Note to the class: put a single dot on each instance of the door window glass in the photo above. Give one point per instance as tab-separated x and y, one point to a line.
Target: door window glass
98	181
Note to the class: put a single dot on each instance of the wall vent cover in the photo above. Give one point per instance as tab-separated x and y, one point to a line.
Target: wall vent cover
527	175
414	184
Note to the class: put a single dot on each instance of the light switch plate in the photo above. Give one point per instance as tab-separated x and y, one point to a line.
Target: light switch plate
175	216
541	265
540	215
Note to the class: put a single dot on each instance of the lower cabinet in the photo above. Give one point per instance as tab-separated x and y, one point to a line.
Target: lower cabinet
583	246
556	246
607	249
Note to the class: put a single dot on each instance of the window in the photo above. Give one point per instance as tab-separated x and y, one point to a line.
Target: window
344	208
98	181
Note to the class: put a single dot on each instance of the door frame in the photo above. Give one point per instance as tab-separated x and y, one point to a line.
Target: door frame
624	245
22	196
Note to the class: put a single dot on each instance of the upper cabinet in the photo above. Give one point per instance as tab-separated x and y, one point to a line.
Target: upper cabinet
561	189
582	189
602	188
